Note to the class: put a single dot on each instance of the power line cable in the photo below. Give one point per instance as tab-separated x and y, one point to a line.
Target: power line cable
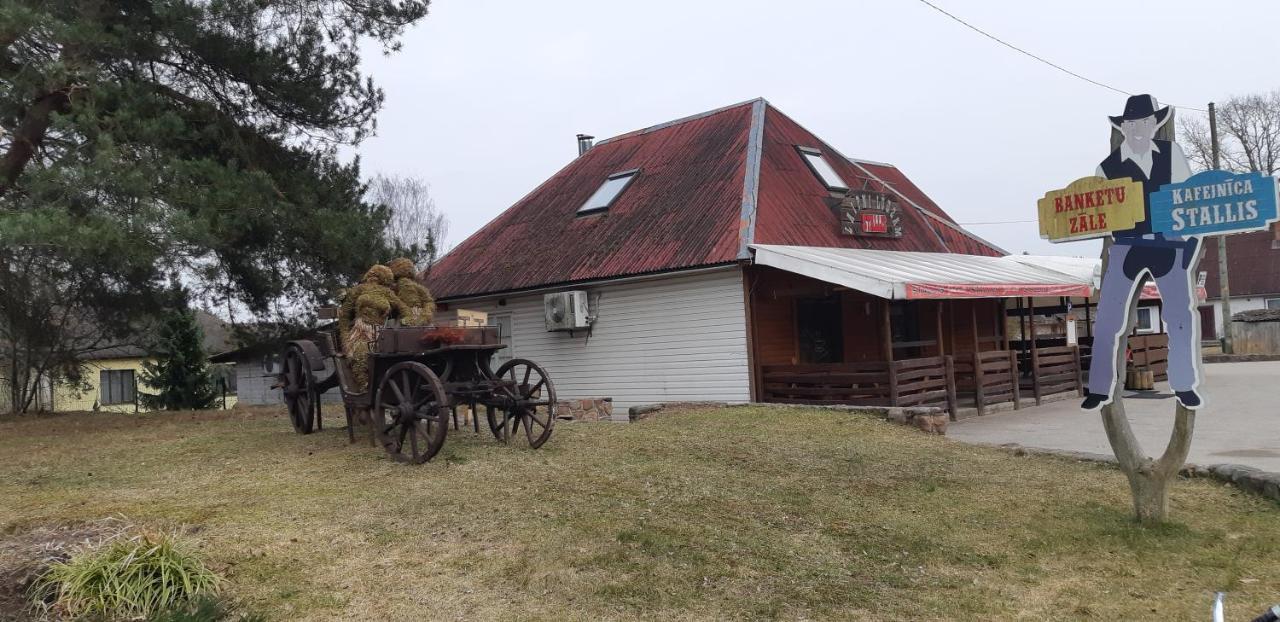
1038	58
995	222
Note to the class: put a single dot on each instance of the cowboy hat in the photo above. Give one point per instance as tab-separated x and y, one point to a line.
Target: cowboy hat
1141	107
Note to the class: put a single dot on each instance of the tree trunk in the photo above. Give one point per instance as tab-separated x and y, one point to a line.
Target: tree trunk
30	135
1149	479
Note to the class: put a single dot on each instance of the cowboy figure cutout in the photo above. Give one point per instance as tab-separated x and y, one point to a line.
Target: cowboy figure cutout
1138	253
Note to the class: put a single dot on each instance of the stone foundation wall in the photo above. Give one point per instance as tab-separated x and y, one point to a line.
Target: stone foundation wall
598	409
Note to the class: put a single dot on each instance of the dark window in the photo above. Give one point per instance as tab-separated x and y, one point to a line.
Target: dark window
904	326
116	386
819	330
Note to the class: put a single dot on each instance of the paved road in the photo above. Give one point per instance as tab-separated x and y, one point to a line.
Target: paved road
1240	423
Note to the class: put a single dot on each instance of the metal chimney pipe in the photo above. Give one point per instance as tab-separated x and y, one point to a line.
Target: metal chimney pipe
584	143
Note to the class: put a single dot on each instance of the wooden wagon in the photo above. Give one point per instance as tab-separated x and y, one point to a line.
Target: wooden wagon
418	378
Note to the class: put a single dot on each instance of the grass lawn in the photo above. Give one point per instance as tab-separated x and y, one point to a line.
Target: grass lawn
719	513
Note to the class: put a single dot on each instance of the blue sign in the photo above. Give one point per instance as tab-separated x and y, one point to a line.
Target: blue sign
1214	202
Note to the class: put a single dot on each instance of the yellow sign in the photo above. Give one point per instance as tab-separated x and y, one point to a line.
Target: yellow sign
1090	207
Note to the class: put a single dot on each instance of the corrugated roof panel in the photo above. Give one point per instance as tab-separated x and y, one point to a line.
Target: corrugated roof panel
685	209
906	274
794	204
681	211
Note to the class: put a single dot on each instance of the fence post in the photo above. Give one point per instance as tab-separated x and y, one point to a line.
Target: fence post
1013	375
1075	355
1035	376
893	383
979	392
949	367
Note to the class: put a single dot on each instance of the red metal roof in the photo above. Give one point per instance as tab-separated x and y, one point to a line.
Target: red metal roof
793	207
690	206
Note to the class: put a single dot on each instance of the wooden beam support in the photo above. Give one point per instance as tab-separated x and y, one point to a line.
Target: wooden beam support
973	320
886	330
942	350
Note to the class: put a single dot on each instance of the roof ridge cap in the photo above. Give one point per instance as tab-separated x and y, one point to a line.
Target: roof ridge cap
679	121
751	178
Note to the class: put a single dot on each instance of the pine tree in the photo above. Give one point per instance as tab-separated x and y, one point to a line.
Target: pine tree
179	369
149	138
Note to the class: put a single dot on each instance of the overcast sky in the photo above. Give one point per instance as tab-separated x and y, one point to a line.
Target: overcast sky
485	98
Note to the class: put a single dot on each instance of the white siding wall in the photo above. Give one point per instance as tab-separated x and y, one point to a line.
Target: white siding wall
668	339
253	387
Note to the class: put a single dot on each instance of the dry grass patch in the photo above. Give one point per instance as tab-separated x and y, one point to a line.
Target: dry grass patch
721	513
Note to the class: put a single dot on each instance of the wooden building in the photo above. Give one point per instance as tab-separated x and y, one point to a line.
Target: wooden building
735	256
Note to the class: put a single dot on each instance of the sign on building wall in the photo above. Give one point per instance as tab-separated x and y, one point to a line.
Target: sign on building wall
1214	202
869	213
1090	207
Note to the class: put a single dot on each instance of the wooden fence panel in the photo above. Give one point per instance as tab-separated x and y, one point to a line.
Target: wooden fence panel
1056	370
1150	353
912	382
836	383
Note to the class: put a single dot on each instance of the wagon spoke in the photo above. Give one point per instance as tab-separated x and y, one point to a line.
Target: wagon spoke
527	370
413	439
404	386
399	394
535	389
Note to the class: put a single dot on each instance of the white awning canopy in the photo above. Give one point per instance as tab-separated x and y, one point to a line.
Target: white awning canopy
901	275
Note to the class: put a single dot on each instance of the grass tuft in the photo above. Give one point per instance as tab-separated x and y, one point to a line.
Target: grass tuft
127	578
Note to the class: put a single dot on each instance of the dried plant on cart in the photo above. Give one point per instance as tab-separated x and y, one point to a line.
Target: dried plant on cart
364	308
419	305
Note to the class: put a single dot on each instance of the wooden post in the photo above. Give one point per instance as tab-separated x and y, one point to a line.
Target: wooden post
893	383
949	366
1002	323
979	394
887	328
1031	319
1075	353
973	318
1088	317
1013	375
1035	375
942	349
1035	350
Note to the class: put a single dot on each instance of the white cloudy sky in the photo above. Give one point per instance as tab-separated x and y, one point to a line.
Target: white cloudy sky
485	98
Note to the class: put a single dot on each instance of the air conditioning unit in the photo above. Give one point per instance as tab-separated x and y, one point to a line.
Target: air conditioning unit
566	310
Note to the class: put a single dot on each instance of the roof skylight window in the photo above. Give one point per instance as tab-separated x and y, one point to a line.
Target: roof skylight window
822	169
605	195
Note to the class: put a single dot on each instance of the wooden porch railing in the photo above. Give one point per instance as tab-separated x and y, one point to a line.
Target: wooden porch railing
992	376
1056	370
923	382
910	382
831	383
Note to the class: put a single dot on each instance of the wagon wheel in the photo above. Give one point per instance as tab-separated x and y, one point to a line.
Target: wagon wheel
530	403
299	389
410	413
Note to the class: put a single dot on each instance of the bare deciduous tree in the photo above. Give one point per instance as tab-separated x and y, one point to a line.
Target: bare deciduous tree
416	228
1248	135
